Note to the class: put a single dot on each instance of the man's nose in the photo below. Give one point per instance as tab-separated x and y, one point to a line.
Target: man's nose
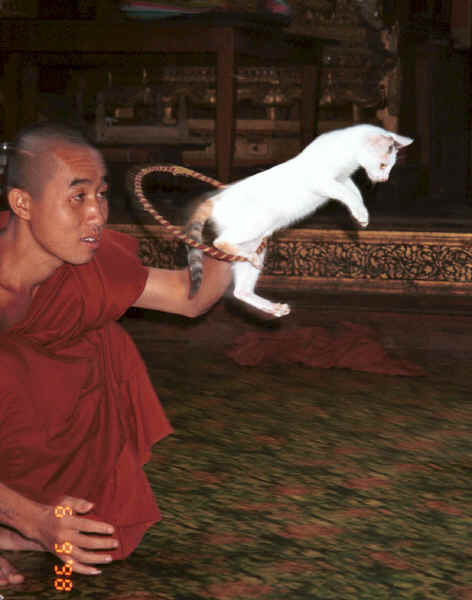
97	211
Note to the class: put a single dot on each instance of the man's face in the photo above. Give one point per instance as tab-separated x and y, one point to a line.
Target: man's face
71	208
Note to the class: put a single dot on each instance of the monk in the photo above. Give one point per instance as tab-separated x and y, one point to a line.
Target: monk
78	413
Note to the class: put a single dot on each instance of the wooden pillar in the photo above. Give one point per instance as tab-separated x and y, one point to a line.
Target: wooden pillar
309	103
424	64
461	23
11	95
225	106
29	94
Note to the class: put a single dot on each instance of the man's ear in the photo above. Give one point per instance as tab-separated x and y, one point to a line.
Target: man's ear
20	203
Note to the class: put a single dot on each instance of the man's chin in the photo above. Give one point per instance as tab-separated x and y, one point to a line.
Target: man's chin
80	260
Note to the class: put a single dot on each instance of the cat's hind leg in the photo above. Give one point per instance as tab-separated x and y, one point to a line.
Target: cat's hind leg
241	239
245	278
230	248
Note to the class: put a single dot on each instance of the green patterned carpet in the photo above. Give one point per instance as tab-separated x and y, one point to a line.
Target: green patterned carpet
296	483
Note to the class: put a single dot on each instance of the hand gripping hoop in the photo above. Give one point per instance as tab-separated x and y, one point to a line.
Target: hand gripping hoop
177	231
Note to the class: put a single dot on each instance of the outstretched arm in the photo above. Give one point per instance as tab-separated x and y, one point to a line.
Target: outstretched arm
168	290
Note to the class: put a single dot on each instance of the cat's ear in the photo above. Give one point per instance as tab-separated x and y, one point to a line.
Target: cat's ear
381	143
401	141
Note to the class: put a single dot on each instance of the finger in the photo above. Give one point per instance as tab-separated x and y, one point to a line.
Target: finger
79	505
84	557
93	542
89	525
8	573
78	567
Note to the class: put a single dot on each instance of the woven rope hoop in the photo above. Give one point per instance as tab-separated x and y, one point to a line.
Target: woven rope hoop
177	231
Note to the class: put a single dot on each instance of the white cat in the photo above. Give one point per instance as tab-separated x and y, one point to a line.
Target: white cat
246	212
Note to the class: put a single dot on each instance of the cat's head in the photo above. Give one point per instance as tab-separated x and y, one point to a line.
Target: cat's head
379	153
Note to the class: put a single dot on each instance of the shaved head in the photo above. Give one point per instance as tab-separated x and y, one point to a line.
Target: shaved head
33	160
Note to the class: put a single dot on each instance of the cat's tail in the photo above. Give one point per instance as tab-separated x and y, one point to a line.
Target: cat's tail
194	230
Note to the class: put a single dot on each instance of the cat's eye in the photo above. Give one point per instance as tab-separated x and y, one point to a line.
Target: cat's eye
383	165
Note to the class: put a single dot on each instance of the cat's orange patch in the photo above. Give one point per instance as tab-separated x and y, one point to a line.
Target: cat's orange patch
228	248
203	212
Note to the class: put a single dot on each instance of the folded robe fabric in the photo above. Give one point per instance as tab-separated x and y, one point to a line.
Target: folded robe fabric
78	413
352	346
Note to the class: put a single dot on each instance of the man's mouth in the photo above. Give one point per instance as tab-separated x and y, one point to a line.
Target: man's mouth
91	240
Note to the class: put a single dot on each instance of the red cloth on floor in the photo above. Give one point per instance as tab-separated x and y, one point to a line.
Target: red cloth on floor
352	347
78	413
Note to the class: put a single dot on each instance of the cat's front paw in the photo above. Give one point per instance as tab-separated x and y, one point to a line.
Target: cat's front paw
280	310
361	216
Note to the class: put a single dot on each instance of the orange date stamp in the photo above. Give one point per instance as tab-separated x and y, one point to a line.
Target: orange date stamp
62	582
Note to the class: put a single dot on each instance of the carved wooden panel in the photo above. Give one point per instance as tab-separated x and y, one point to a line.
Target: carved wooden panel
385	261
369	260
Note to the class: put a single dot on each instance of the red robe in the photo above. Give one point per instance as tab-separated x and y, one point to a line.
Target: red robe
78	413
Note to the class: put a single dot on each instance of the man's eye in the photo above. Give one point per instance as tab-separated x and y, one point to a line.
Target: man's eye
79	197
103	195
